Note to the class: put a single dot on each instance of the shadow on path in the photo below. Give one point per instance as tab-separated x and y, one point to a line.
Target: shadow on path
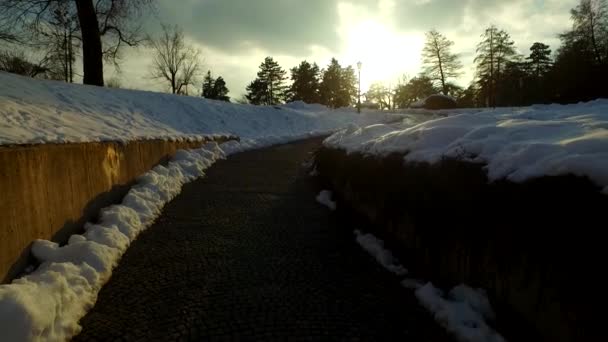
246	253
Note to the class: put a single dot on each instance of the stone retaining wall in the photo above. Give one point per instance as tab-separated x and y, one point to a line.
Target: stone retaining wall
49	191
537	247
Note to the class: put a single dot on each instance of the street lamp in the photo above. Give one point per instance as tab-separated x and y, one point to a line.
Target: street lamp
359	64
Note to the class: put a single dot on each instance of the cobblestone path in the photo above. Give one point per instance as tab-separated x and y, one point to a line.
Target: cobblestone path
247	254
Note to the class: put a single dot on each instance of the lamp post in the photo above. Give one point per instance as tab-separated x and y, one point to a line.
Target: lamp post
359	64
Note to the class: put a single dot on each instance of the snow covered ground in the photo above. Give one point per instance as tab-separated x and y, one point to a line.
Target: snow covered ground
39	111
463	312
514	143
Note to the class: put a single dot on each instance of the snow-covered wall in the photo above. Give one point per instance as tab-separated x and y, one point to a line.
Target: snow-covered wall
536	246
54	158
49	191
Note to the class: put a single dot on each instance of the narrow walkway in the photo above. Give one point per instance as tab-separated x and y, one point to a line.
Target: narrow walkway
246	253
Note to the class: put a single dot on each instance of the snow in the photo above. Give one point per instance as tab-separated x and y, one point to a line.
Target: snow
324	197
516	144
40	111
463	313
375	248
47	304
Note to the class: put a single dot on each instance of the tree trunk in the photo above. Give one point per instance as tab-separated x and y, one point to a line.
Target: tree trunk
92	56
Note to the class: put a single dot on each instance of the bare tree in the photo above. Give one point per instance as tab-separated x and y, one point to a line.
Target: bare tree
59	37
108	23
174	61
440	63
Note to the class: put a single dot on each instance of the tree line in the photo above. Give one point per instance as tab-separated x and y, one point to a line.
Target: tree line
97	31
503	77
334	86
575	72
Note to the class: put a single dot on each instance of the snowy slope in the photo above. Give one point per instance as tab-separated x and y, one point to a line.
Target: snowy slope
514	143
38	111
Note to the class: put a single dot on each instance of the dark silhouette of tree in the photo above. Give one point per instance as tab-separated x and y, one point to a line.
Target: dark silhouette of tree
173	61
220	90
540	59
468	98
493	53
59	35
416	89
268	88
208	86
338	85
590	24
257	93
215	89
105	26
439	61
580	68
306	83
515	85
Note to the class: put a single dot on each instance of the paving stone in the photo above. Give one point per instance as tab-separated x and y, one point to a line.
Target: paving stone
247	254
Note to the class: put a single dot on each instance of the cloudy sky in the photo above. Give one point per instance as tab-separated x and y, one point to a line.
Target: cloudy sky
385	35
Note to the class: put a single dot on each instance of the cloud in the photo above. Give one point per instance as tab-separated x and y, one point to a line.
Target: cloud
235	35
280	26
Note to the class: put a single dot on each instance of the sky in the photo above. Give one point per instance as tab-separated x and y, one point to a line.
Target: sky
386	36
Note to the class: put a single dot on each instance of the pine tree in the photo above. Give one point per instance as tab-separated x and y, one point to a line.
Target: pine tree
440	63
338	86
257	92
305	86
208	83
348	89
539	59
493	53
215	89
220	91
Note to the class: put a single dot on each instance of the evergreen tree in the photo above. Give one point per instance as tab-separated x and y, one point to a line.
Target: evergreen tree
440	63
493	53
338	85
539	59
220	91
349	88
208	83
215	89
268	88
305	86
257	92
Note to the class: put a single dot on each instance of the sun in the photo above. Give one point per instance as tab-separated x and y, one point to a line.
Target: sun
385	54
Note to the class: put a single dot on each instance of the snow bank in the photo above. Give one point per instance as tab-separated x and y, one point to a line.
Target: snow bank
463	313
47	304
514	143
375	248
40	111
324	197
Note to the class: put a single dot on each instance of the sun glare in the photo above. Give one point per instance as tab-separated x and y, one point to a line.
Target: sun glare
385	55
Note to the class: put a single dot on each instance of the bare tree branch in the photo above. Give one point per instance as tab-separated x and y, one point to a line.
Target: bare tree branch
174	61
